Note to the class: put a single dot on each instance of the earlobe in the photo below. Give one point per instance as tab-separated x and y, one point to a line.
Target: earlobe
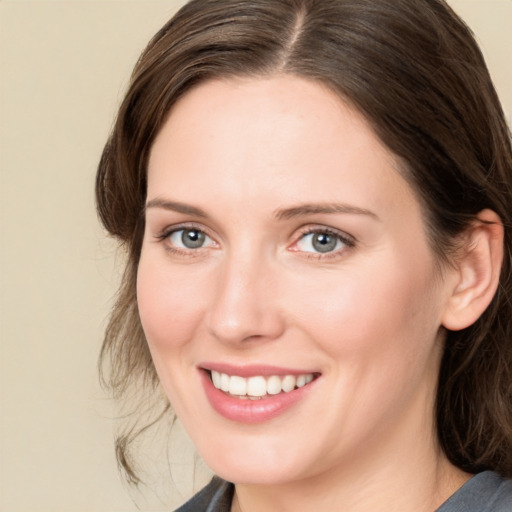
477	272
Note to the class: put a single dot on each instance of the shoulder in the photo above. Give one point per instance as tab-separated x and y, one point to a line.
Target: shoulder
485	492
215	497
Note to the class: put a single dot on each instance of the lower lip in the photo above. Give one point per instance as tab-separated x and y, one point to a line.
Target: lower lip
247	410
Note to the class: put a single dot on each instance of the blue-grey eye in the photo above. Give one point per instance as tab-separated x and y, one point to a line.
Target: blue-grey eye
189	238
320	242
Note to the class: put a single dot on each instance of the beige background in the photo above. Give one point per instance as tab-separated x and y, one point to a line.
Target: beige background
63	67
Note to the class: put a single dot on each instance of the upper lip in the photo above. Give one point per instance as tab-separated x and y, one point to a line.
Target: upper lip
253	370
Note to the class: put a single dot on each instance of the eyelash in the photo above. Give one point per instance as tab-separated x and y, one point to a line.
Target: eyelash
348	241
166	234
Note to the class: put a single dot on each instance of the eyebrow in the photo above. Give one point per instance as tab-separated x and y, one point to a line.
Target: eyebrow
321	208
176	206
280	214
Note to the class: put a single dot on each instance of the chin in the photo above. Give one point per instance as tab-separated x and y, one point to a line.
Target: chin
256	464
247	473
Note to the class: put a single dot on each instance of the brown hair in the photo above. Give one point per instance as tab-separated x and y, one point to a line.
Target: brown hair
413	69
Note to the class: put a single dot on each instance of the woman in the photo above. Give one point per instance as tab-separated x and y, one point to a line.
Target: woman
316	199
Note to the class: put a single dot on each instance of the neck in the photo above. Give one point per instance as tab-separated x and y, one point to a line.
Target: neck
388	490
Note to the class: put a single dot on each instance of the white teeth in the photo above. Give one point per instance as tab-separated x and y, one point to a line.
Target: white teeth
256	386
259	386
216	379
237	385
274	385
288	383
224	382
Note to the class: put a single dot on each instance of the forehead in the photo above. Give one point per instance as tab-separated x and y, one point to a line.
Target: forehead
283	138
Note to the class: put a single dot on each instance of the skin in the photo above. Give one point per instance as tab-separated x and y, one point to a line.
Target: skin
366	316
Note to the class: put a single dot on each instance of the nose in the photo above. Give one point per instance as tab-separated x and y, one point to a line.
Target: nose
245	304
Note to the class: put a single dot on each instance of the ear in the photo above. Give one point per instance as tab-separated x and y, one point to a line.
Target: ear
477	272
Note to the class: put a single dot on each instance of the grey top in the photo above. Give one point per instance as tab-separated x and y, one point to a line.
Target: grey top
485	492
215	497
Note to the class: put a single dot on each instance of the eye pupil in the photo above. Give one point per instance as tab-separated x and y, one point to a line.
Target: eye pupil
323	242
192	238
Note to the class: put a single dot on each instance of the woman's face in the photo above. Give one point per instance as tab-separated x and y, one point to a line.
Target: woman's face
283	250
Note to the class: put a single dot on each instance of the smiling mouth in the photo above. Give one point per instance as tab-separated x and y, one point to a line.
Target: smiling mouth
259	387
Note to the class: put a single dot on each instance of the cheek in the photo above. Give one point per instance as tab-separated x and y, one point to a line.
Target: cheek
379	330
169	304
384	310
